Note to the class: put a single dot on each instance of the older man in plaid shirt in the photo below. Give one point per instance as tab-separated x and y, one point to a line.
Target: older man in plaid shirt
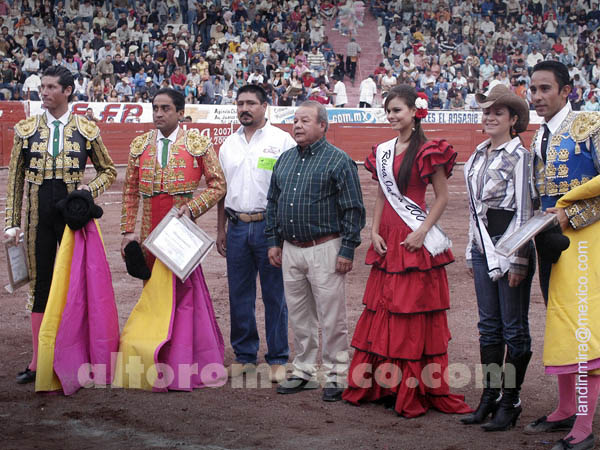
314	216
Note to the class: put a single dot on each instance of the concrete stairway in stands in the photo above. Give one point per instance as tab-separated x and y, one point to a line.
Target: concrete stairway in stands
368	38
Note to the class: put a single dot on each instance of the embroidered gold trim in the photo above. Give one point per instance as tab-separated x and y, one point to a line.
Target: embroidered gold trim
550	171
563	154
87	128
196	144
584	125
563	171
563	187
27	127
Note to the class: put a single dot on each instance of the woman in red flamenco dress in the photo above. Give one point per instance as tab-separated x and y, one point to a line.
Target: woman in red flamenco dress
401	338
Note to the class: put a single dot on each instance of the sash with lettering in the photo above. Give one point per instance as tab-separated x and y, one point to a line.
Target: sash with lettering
436	241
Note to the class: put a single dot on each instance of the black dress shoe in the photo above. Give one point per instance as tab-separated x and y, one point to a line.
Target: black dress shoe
565	444
27	376
543	425
332	392
292	385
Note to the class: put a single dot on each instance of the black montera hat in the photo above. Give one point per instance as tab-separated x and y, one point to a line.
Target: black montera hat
135	261
78	208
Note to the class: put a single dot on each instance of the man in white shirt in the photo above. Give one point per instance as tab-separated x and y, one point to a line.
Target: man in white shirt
534	57
368	89
255	77
247	158
31	64
86	12
397	47
194	77
31	87
339	91
487	26
106	51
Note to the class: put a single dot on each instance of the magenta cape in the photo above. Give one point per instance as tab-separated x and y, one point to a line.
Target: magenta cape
171	340
80	329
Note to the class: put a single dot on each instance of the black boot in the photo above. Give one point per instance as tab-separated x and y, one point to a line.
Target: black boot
490	355
510	409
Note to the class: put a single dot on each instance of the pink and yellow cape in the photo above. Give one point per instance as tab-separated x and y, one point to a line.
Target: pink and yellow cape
80	329
171	340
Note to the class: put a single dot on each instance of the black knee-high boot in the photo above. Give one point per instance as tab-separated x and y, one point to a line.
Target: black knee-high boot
510	409
492	357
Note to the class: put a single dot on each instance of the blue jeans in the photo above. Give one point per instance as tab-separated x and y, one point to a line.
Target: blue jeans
503	311
247	249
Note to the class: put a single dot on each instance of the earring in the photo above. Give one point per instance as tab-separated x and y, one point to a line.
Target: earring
413	128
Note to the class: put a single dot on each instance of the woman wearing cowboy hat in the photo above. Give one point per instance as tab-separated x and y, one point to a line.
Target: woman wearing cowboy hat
497	176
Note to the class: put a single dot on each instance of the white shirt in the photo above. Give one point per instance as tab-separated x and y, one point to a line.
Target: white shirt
159	143
32	83
30	65
368	89
553	126
340	93
248	166
63	121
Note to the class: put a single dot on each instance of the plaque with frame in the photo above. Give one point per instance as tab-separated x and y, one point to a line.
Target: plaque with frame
509	244
16	260
179	243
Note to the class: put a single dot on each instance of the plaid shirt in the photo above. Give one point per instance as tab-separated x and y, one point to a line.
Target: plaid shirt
315	192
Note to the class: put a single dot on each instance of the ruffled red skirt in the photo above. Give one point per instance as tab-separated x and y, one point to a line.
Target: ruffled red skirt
401	338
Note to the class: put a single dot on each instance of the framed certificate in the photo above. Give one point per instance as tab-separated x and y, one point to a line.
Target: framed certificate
508	245
18	271
179	243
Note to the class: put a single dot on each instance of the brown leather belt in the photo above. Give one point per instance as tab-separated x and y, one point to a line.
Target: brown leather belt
317	241
256	217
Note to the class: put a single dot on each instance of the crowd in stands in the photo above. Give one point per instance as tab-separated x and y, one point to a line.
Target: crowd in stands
125	50
457	48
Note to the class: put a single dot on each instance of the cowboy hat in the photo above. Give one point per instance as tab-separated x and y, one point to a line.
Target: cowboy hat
501	95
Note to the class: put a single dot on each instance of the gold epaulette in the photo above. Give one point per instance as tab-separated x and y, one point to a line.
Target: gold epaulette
585	125
138	145
26	127
196	144
87	128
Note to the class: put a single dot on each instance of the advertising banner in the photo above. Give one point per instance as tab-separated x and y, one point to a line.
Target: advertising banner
226	114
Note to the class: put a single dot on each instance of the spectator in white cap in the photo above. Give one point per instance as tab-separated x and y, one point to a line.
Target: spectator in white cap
31	65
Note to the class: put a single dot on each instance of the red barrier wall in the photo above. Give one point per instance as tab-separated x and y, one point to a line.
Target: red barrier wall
356	139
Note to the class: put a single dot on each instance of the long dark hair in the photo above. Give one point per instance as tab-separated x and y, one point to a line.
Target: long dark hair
408	95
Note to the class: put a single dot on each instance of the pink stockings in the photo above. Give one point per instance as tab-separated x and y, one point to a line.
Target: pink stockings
567	404
36	323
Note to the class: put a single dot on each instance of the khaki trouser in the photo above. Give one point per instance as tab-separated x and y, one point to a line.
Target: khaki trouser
315	294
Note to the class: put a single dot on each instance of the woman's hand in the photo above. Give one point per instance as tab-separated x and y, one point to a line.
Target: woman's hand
414	241
514	279
379	244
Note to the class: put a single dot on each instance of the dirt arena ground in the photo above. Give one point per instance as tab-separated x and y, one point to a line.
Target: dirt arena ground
241	418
